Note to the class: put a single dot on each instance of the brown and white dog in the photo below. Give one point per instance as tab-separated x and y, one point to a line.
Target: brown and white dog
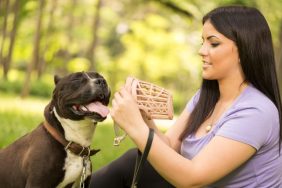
57	151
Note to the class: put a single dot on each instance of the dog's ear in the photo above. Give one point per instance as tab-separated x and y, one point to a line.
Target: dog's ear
56	79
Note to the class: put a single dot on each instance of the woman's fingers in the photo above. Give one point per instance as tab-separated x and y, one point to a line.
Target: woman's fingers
122	101
128	84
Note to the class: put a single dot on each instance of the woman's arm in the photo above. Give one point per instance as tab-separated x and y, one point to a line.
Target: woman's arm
151	124
217	159
220	157
171	137
175	130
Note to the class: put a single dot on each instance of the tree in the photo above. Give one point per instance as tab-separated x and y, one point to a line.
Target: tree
48	36
5	9
7	62
36	50
174	7
90	53
279	57
6	59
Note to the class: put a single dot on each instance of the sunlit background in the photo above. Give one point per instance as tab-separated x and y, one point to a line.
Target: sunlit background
152	40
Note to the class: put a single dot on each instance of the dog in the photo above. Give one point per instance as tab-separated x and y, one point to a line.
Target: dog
57	152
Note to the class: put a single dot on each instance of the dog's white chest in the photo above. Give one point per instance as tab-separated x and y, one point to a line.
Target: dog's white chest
73	170
80	132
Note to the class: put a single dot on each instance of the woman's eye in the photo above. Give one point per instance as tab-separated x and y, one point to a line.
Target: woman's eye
214	44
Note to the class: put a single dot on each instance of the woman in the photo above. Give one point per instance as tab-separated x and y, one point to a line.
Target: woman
230	133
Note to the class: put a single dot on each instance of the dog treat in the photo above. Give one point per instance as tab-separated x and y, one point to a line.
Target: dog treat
155	101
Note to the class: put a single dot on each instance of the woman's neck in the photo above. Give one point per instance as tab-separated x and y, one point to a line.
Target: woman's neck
229	91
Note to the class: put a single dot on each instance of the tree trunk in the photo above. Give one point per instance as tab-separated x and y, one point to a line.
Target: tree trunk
36	51
8	59
279	58
49	33
5	7
172	6
71	21
90	53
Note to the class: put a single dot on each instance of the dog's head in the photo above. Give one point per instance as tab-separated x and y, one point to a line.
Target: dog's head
81	95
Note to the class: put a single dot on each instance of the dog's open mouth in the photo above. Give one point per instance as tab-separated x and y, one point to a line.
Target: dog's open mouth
91	109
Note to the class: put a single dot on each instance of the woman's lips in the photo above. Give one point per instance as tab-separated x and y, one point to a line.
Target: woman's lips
206	64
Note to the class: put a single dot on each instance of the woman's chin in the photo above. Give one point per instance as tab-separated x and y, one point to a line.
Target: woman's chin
206	76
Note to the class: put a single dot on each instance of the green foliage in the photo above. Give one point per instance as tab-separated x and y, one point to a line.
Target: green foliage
149	57
81	64
10	86
145	39
15	124
18	116
41	88
103	139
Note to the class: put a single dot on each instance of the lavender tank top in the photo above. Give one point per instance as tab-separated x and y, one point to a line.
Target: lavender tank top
252	119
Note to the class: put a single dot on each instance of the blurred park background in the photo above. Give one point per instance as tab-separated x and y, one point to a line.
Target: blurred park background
153	40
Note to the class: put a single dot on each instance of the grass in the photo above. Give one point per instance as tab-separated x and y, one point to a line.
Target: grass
20	116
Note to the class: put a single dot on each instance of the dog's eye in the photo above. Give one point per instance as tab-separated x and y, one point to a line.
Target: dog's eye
81	80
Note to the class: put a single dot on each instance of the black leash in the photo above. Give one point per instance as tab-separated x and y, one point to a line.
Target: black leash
140	160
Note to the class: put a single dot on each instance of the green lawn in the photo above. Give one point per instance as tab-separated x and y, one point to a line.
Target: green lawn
17	117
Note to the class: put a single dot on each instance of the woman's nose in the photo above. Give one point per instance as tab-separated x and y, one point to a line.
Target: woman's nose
203	50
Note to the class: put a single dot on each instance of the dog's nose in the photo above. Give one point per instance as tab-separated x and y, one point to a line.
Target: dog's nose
100	81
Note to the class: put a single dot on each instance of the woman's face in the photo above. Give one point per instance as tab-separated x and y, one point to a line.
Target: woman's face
219	55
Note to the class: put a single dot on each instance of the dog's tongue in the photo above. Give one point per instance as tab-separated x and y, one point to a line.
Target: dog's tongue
99	108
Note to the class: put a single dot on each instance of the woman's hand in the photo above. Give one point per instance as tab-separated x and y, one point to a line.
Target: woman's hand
149	122
125	112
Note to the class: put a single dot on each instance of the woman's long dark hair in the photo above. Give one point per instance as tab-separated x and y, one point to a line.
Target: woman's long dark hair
249	30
